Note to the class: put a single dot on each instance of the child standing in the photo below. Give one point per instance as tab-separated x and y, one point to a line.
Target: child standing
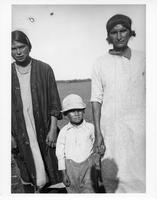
74	148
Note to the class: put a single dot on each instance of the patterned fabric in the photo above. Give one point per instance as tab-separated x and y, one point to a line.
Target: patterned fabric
45	102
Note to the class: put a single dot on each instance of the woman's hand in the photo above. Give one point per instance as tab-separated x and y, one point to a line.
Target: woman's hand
13	143
51	138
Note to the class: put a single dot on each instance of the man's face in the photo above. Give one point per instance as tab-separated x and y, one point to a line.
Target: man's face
19	51
119	36
75	116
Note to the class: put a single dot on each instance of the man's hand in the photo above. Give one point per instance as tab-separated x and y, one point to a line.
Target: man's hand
99	146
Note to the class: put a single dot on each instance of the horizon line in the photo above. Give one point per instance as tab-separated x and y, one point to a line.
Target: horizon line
74	80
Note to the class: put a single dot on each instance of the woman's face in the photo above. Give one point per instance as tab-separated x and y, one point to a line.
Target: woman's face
19	51
119	36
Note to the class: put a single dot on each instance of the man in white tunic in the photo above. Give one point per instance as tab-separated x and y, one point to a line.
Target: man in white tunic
118	103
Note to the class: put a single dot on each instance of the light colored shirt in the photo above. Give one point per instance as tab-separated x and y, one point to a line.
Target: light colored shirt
75	143
119	84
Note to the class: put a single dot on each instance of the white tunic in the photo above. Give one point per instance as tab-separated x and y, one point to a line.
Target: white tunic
119	85
24	81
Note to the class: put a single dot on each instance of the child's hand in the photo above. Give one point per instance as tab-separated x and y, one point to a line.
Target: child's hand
66	179
102	149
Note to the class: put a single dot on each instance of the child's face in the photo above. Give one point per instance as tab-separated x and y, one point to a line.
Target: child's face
75	116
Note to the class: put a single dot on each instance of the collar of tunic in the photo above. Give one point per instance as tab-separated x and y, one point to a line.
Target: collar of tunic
126	53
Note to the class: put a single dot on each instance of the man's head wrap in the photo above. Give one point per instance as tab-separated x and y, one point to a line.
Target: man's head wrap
120	19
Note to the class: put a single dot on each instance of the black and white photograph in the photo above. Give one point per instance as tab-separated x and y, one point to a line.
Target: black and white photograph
79	100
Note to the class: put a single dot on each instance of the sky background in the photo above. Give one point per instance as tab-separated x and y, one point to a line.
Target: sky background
71	37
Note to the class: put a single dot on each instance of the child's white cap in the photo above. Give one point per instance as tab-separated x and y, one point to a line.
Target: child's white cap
72	101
